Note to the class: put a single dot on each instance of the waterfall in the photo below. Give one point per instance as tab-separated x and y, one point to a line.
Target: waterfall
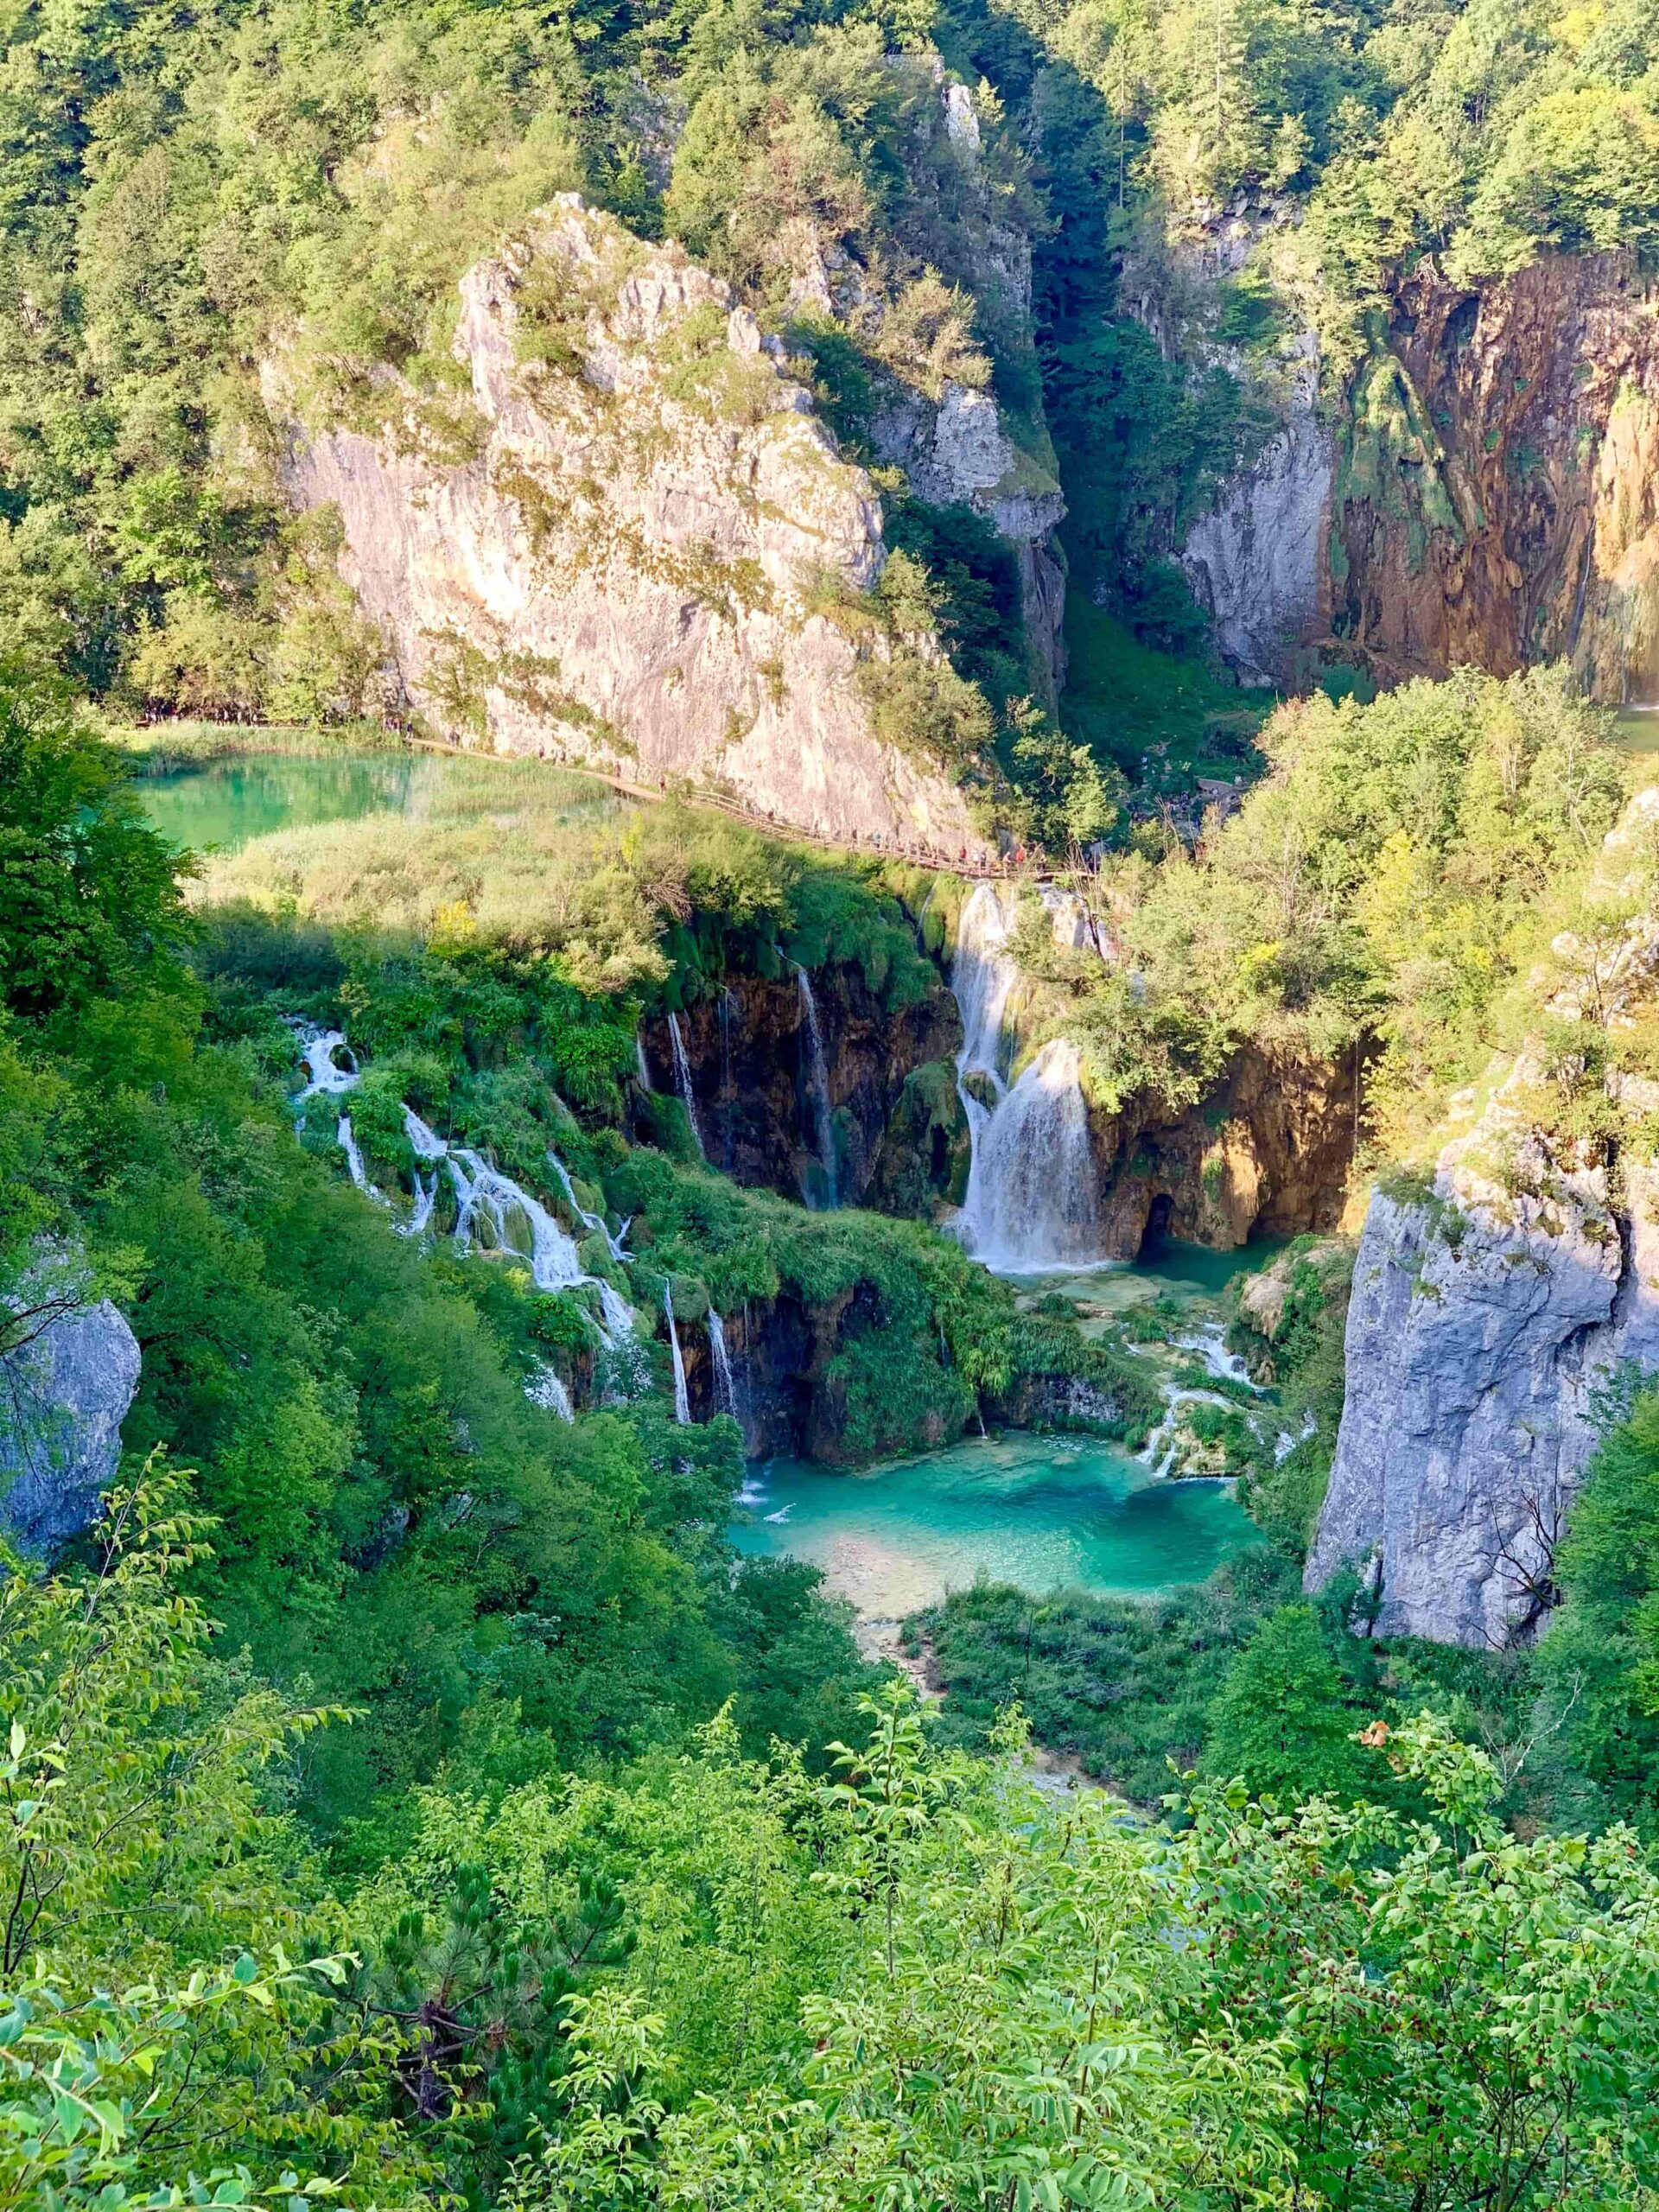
317	1050
682	1082
681	1402
426	1197
347	1142
483	1195
546	1388
640	1061
594	1221
817	1090
725	1386
1034	1194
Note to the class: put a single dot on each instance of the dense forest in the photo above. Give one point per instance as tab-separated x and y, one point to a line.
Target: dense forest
193	194
412	1794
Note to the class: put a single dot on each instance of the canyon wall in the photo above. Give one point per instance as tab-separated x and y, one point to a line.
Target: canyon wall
900	1136
642	551
1483	491
1496	498
1495	1304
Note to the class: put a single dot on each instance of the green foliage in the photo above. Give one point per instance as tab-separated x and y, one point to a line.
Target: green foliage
1599	1665
1388	882
169	2005
1278	1721
88	899
1123	1685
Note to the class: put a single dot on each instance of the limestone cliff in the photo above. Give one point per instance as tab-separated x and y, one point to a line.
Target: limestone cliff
648	557
1495	502
1494	1305
1480	492
63	1397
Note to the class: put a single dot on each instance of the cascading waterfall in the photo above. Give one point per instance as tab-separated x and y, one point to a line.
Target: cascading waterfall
682	1400
317	1050
594	1221
345	1139
547	1390
683	1083
1034	1192
640	1061
485	1196
487	1201
817	1092
719	1353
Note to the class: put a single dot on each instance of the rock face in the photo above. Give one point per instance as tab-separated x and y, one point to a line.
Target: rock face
63	1398
1492	1311
1254	561
1485	493
1496	502
900	1136
652	559
1268	1153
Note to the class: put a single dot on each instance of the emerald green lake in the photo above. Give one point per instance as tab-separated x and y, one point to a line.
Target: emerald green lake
225	804
1045	1512
222	805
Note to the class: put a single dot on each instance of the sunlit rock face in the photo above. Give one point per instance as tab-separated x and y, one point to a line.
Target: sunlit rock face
638	548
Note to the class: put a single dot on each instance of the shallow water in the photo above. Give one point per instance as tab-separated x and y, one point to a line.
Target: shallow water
1045	1512
222	805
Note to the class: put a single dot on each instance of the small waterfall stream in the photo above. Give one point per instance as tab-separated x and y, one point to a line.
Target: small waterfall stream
494	1212
683	1084
682	1400
719	1353
1033	1189
817	1073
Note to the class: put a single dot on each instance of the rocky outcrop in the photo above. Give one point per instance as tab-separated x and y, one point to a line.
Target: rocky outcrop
1267	1152
1496	501
1494	1305
899	1135
1480	493
63	1397
1254	559
643	552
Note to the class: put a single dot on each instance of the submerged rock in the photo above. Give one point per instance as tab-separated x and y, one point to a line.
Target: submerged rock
63	1397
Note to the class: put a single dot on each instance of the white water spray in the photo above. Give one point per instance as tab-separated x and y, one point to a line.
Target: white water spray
594	1221
546	1389
509	1217
683	1083
317	1050
719	1353
817	1091
640	1061
682	1401
347	1142
1033	1189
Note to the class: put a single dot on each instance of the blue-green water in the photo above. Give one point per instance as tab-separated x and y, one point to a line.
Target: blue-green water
225	804
1045	1512
222	805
